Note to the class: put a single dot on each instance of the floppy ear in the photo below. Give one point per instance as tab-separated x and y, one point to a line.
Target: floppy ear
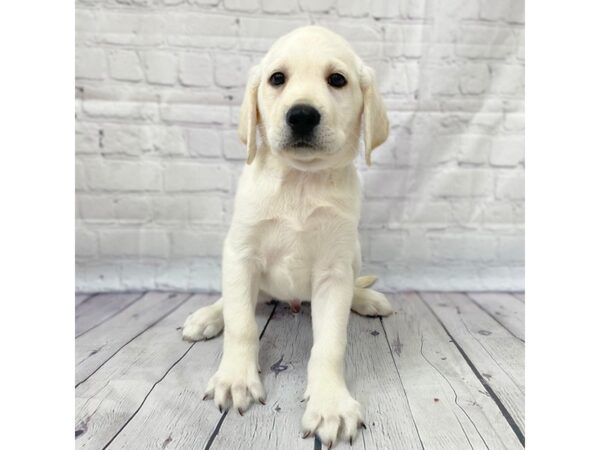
375	121
249	114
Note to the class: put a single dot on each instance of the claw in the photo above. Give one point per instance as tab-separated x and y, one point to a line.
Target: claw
329	446
362	424
350	441
205	397
306	434
262	401
241	412
220	409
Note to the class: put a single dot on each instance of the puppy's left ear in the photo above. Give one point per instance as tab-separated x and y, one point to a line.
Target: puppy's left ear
375	120
249	114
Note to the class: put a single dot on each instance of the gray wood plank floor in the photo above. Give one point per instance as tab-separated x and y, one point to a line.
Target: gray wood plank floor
445	371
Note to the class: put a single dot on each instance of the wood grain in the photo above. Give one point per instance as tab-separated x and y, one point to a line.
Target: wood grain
519	295
100	308
99	344
450	406
174	416
80	298
506	309
496	354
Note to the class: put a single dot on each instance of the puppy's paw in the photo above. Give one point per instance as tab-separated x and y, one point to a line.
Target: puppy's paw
235	384
331	412
205	323
368	302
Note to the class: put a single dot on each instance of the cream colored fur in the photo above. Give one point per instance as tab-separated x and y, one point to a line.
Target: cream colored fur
294	232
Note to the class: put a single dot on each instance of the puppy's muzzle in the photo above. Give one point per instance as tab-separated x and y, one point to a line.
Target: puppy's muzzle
302	119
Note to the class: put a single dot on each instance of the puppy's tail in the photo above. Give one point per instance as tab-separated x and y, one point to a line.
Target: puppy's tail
369	302
365	281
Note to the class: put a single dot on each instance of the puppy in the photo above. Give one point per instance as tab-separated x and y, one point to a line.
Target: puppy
294	233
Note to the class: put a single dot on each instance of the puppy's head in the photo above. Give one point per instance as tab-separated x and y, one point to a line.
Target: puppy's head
307	98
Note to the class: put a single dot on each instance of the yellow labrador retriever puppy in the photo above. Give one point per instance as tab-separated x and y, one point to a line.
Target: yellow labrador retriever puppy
294	233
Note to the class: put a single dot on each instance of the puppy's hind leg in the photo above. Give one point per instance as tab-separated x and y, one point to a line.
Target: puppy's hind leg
368	302
205	323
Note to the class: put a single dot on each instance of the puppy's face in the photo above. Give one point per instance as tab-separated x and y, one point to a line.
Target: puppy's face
311	91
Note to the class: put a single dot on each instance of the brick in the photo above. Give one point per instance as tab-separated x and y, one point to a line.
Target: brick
375	213
466	247
510	186
190	177
316	5
387	247
201	30
467	148
86	244
258	34
507	151
444	80
231	70
205	209
196	243
511	248
160	68
417	246
169	141
474	78
241	5
86	137
427	214
478	41
384	9
461	182
124	65
94	208
501	213
201	114
123	139
352	8
279	6
195	69
124	28
134	243
80	178
133	209
90	63
203	142
493	10
123	175
508	79
385	183
170	209
116	109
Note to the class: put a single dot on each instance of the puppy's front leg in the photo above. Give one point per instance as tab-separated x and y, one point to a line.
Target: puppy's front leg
237	381
330	406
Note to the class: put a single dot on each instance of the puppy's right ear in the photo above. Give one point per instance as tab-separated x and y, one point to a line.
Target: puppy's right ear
249	114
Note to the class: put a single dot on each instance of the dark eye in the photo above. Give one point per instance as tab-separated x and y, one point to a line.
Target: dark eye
337	80
277	79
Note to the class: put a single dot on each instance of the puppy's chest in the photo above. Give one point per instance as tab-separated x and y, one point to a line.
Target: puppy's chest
289	245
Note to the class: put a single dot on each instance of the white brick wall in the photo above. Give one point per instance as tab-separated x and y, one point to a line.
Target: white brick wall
159	84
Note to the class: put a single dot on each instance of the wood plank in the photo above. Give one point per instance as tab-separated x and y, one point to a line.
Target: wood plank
98	345
450	406
100	308
110	397
505	308
495	353
174	416
371	377
80	298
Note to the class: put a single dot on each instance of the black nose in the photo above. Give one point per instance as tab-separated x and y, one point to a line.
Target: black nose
302	119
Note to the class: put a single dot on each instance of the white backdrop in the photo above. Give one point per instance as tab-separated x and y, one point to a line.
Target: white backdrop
158	88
